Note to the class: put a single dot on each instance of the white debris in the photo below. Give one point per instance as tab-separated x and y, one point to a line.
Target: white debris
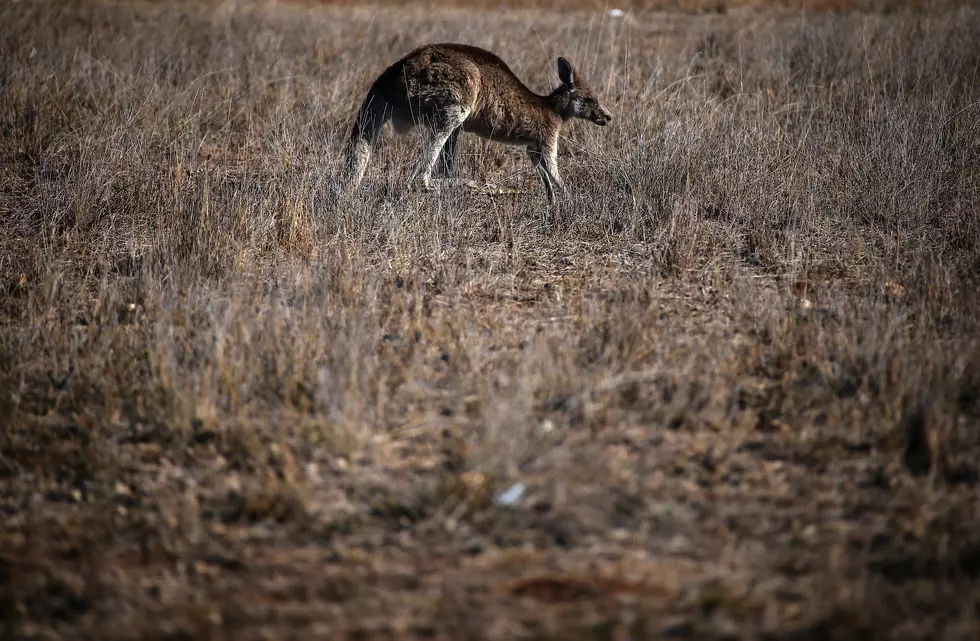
617	13
512	495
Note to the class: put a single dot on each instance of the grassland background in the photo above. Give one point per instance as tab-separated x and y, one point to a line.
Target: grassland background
738	373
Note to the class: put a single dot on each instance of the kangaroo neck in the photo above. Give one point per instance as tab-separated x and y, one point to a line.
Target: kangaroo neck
560	102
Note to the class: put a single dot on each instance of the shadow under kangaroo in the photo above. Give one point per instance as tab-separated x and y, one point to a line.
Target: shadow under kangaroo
446	89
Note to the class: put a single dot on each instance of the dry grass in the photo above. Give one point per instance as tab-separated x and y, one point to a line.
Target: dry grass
738	374
684	6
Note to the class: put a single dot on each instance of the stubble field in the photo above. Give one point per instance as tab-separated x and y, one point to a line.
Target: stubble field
729	389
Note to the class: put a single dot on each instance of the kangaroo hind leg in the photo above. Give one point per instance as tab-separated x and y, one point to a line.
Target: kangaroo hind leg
448	162
364	134
437	131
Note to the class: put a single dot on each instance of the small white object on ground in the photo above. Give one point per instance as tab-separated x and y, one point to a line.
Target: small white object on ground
512	495
617	13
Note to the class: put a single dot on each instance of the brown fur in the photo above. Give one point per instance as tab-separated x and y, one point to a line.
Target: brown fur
447	88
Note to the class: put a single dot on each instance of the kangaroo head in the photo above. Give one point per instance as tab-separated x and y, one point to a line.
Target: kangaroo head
576	99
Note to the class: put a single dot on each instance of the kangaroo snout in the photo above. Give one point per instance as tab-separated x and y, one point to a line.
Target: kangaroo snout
602	117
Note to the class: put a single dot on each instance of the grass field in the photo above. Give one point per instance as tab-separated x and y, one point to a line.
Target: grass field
729	389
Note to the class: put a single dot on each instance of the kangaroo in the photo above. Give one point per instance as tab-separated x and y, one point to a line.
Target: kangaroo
444	89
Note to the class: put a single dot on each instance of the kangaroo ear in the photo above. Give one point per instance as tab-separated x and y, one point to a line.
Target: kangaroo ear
565	72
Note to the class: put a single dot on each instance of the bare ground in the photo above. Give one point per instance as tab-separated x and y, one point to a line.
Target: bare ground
730	390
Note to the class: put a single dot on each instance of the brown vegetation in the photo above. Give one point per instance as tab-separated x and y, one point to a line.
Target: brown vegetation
685	6
737	375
